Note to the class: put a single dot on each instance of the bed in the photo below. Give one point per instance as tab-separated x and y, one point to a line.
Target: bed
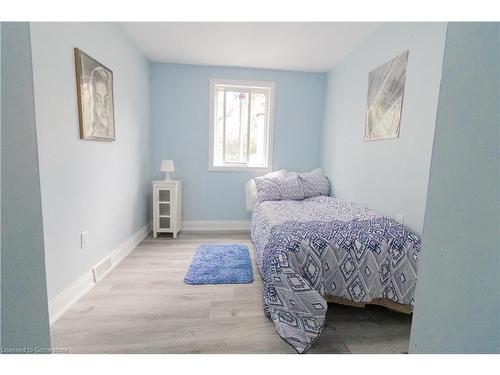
317	249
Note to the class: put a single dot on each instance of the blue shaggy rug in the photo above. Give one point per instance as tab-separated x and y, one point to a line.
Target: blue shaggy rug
220	264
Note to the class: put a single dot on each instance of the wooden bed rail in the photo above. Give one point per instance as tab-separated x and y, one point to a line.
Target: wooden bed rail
405	309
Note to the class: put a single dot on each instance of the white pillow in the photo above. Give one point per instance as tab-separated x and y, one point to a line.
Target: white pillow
251	189
317	172
314	172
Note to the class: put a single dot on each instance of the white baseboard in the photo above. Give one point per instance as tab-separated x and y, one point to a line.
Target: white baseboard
215	225
69	296
77	289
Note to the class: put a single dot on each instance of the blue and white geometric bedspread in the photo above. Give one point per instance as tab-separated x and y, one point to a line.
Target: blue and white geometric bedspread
322	245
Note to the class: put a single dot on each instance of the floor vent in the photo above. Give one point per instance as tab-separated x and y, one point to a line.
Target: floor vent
101	270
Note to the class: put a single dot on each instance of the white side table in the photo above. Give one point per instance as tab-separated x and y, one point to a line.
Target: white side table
167	207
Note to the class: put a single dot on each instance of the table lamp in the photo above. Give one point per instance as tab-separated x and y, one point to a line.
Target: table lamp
167	166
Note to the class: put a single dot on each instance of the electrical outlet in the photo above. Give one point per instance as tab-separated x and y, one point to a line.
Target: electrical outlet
400	218
84	239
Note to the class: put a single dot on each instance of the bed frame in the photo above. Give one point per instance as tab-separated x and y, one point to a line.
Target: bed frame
405	309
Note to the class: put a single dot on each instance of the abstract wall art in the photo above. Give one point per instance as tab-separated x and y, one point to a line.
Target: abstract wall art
386	86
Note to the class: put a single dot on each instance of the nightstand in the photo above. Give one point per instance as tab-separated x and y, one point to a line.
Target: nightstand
167	207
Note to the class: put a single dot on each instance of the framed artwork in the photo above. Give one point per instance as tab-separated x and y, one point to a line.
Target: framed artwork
94	84
386	86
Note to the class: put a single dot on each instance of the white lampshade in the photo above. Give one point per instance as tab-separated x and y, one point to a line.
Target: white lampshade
167	166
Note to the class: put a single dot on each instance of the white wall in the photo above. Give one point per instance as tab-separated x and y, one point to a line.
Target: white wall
86	185
457	301
389	176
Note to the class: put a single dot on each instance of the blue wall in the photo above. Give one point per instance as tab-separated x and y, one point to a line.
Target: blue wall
25	323
457	302
180	95
389	176
0	183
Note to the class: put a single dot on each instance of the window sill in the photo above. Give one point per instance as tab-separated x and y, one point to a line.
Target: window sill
239	169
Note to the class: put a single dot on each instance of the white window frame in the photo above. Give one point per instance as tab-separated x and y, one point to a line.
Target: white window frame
211	130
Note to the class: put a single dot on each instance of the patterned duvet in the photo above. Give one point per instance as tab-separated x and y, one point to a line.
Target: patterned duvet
306	249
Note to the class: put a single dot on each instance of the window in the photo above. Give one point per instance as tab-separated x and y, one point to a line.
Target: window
241	116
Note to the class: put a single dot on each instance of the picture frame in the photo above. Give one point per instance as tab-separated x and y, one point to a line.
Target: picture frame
386	87
95	97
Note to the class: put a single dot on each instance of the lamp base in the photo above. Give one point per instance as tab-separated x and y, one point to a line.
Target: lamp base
167	177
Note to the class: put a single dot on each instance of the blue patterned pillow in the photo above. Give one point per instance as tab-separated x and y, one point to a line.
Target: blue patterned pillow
267	189
279	188
290	187
314	185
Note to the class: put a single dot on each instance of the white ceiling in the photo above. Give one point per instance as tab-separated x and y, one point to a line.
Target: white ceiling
310	47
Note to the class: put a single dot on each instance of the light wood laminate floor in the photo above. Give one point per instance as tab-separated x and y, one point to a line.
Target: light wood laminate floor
143	306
